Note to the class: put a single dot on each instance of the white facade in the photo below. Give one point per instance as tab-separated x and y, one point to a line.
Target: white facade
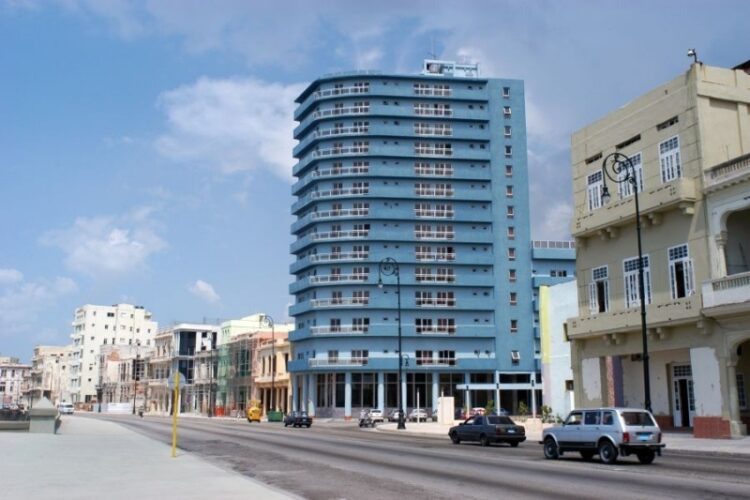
95	326
49	373
556	304
13	379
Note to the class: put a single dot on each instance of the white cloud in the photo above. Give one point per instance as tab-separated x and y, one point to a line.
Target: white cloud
204	291
238	124
23	302
106	244
10	276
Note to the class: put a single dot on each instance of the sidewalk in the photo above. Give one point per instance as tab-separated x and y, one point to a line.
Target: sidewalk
673	440
91	458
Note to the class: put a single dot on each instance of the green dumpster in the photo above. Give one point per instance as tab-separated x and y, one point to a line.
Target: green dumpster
275	416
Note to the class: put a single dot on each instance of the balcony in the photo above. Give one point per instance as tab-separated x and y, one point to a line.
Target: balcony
329	132
421	213
660	316
328	173
316	362
327	194
727	174
679	194
344	213
338	330
730	293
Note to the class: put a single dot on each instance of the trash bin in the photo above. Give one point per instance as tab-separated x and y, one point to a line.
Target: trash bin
275	416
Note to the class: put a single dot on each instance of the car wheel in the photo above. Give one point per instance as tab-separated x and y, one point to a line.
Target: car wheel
454	438
514	444
607	452
484	440
587	455
646	456
550	449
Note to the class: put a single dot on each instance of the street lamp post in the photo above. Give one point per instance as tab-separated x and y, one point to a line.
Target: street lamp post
136	361
619	169
389	267
268	320
99	390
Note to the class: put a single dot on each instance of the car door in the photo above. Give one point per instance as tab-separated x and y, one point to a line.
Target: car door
477	428
591	428
570	435
465	431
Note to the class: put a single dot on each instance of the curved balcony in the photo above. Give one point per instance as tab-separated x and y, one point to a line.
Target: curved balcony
359	130
329	173
329	194
344	213
331	113
329	279
355	234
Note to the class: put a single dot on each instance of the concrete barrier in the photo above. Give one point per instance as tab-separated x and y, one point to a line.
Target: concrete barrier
44	418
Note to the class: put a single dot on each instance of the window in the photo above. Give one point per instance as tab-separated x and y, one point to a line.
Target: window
513	300
511	233
423	357
508	151
506	92
630	276
333	356
512	275
592	418
361	297
511	253
741	398
446	325
594	190
361	324
510	211
575	418
669	158
626	188
509	191
508	170
423	325
506	111
422	298
447	357
360	355
599	290
513	325
680	272
507	131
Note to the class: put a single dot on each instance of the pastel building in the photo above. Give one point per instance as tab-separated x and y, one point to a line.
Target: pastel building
429	170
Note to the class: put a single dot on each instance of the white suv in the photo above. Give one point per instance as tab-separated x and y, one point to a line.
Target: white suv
607	432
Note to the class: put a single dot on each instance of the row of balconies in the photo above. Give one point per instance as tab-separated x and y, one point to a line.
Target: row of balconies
463	278
405	150
460	234
416	170
408	329
404	131
375	110
376	91
391	363
403	193
467	256
408	302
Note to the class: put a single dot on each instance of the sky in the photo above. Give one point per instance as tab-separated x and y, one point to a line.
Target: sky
145	146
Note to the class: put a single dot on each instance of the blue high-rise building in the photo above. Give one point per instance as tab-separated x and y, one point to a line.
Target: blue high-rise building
429	170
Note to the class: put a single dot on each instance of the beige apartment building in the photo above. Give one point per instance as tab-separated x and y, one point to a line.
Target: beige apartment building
49	377
689	143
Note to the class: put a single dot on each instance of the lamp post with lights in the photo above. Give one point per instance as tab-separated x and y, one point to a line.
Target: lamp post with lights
389	267
618	168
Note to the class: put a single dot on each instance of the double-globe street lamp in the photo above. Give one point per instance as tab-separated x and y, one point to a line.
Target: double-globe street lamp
619	169
389	267
268	320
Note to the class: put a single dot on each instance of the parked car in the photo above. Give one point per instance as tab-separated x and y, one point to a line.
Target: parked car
418	414
65	408
393	415
376	415
607	432
488	429
298	419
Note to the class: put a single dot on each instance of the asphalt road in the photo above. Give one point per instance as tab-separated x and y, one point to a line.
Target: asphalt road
341	461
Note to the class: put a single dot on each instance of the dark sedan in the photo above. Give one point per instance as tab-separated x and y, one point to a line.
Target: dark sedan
488	429
298	419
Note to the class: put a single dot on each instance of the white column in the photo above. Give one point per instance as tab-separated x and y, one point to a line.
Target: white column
295	391
467	381
313	394
403	395
435	390
381	391
348	395
497	390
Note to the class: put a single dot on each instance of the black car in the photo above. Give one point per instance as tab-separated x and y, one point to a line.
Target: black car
298	419
488	429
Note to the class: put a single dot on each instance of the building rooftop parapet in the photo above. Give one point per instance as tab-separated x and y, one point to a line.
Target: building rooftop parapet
726	174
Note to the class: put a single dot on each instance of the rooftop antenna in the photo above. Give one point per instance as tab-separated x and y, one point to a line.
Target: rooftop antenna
692	53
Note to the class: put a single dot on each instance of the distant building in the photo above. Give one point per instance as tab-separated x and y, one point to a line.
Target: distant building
49	373
96	326
273	361
14	377
429	170
556	304
689	143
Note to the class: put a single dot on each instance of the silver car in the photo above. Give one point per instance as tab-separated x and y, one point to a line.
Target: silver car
607	432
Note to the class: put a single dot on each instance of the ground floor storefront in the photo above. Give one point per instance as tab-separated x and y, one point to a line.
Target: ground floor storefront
697	376
344	394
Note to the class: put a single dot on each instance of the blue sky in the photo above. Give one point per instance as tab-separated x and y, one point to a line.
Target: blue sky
145	147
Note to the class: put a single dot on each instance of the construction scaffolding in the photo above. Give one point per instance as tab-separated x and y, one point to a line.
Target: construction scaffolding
237	359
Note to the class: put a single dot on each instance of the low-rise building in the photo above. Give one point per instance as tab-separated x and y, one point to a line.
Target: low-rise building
14	377
48	373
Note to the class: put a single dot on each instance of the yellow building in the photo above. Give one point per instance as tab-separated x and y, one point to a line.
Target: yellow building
689	145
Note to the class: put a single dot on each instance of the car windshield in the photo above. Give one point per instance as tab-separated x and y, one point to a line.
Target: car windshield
495	420
637	418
